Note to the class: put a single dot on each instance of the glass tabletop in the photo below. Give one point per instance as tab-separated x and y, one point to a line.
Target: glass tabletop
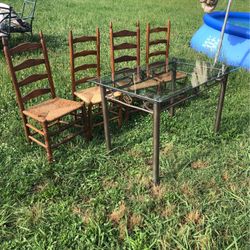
163	81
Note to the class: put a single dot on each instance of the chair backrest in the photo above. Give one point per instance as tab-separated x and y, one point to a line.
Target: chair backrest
123	49
76	65
164	39
29	65
5	20
28	9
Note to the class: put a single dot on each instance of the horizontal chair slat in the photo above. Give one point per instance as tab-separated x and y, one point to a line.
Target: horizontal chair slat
123	33
32	78
35	93
85	53
85	67
84	39
24	47
83	80
125	46
29	63
157	53
159	63
160	41
125	59
159	29
64	127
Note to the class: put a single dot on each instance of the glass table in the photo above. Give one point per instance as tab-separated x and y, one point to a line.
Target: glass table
159	87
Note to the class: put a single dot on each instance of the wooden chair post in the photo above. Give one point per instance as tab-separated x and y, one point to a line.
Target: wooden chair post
16	88
147	48
72	65
47	141
47	65
138	49
112	57
168	43
98	45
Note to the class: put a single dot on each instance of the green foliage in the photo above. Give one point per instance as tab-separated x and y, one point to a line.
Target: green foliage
89	199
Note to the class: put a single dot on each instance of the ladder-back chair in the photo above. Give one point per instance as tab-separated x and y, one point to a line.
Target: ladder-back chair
123	49
82	64
154	49
29	79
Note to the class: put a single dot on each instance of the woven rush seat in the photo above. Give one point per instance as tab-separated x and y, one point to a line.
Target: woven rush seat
52	109
145	84
92	95
166	77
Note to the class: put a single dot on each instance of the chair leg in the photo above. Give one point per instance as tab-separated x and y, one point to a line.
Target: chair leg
119	115
26	129
47	142
126	114
84	119
90	122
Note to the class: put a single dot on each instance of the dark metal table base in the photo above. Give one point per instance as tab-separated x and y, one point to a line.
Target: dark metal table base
156	124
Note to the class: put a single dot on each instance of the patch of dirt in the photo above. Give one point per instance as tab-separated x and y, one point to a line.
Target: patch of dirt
118	214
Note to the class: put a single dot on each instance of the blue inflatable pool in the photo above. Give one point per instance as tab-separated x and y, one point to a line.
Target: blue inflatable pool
235	49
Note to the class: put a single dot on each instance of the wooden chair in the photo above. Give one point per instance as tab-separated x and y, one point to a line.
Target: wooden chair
81	74
123	48
31	75
152	51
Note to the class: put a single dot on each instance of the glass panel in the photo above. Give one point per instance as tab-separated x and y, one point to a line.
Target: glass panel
162	82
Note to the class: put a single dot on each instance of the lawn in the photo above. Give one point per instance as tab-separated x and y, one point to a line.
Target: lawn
88	199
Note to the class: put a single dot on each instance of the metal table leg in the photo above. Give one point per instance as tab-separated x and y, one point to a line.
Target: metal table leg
105	117
220	103
156	143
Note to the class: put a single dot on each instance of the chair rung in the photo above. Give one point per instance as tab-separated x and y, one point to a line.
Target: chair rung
37	141
76	121
68	125
35	129
68	138
101	123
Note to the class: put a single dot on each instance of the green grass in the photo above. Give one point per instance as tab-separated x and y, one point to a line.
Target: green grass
89	199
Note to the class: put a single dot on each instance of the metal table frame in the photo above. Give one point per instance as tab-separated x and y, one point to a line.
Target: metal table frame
156	113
